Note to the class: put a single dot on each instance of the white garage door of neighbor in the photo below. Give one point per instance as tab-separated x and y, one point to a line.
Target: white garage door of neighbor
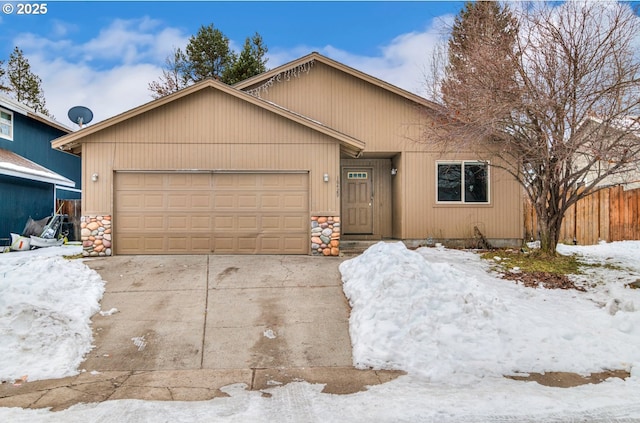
203	213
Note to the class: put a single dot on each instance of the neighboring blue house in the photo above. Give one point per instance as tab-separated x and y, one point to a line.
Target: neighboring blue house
32	174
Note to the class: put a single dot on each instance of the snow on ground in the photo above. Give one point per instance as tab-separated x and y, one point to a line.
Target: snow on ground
439	314
46	303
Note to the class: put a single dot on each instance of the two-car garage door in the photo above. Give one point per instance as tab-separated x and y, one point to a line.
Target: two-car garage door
202	213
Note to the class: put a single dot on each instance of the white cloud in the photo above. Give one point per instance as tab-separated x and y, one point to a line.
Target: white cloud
106	92
134	41
110	73
61	28
402	62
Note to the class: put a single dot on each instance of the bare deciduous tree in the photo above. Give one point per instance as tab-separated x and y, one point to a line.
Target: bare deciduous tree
558	117
172	78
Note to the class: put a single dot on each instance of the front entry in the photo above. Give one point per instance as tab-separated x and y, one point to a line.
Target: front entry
357	206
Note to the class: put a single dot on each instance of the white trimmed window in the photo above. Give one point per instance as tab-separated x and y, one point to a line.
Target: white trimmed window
6	124
462	182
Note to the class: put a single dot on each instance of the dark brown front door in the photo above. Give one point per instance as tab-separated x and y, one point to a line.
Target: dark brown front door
357	200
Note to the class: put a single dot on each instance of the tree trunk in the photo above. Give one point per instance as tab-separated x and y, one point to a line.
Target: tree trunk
549	227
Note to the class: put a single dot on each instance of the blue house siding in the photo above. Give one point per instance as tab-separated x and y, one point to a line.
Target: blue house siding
22	199
23	195
32	140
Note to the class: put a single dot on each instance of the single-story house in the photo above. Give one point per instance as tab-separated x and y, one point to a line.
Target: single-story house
33	176
293	161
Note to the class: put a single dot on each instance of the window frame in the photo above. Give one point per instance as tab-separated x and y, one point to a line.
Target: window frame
462	164
11	124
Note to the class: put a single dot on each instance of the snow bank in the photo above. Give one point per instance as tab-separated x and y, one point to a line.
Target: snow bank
439	314
46	303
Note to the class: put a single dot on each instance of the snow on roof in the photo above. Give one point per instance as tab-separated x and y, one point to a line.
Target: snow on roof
12	164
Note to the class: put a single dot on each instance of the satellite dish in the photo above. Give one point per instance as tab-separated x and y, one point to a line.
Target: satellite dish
80	115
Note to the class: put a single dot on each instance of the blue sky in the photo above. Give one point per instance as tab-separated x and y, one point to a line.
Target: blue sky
103	54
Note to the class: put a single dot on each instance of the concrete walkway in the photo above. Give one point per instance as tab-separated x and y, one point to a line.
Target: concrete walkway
185	326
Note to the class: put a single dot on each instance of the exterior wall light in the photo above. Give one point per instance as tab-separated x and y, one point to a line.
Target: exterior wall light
325	177
94	177
394	171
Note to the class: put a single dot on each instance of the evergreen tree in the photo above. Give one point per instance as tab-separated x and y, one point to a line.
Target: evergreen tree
24	85
250	62
3	84
480	47
208	54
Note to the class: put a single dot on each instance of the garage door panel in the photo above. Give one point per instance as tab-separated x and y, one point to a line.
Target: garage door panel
294	243
178	223
223	201
271	245
154	223
130	244
201	201
201	244
247	201
296	180
223	223
271	223
178	201
130	180
152	180
294	202
129	201
273	181
127	223
205	213
201	223
295	223
154	244
247	223
175	243
223	180
247	180
247	244
224	244
270	201
153	201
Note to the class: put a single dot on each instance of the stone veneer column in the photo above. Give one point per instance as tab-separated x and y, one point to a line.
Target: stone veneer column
325	235
96	236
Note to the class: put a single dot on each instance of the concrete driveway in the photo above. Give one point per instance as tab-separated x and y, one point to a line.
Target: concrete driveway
220	312
186	326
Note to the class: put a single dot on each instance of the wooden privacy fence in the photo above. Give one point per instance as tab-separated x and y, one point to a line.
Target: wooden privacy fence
611	214
72	208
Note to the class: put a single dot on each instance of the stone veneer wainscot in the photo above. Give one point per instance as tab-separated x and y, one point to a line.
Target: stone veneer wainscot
96	236
325	235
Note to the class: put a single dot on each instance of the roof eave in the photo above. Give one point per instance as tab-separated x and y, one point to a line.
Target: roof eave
62	181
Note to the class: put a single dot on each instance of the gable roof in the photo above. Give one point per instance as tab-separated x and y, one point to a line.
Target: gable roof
17	107
349	145
12	164
314	56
